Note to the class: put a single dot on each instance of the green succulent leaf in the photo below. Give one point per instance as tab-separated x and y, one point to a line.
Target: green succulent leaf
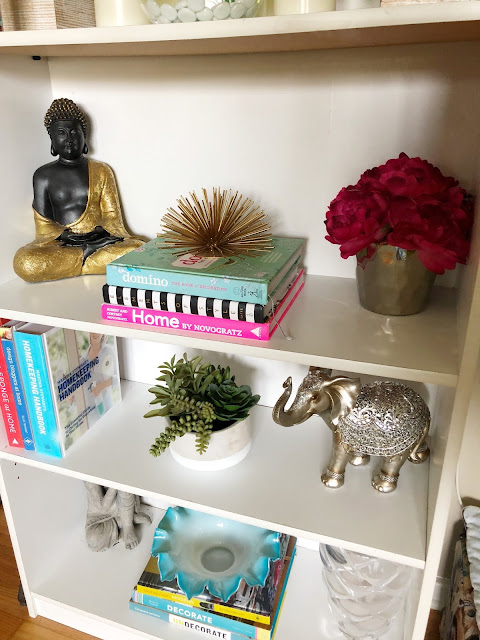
157	400
156	412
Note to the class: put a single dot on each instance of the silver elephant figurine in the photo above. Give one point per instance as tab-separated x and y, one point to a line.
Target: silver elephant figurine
385	419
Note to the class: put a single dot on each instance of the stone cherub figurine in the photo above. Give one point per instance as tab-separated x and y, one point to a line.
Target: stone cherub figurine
78	220
385	419
111	516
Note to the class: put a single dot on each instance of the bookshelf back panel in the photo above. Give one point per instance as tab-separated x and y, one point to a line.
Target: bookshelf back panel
288	130
139	362
25	90
46	509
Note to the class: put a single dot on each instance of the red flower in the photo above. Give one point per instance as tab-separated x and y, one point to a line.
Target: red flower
408	203
357	219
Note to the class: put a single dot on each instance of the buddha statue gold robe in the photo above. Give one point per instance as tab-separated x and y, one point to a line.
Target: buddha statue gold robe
47	259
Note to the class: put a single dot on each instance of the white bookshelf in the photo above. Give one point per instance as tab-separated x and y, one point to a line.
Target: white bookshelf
452	22
79	582
288	122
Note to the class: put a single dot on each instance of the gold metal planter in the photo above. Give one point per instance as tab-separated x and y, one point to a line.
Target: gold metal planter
394	282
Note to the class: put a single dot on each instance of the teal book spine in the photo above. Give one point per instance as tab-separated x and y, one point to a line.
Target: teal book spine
18	393
33	367
206	285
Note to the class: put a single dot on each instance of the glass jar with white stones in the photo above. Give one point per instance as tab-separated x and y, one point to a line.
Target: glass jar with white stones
161	12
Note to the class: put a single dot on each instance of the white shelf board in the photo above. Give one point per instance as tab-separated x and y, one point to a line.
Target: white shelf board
277	486
77	589
436	22
329	328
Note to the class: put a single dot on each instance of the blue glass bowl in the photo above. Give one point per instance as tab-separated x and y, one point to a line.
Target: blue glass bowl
201	550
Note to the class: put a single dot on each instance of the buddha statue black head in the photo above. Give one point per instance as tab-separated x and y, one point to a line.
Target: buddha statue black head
67	127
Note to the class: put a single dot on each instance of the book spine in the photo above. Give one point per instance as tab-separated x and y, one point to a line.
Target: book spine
8	408
18	393
167	603
185	322
179	598
183	303
33	367
223	288
200	615
200	627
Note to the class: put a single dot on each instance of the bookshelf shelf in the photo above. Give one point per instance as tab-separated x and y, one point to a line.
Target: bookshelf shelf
421	348
328	30
305	608
283	465
79	581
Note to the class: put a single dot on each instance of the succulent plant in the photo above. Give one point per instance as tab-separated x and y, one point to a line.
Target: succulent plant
231	403
198	419
198	398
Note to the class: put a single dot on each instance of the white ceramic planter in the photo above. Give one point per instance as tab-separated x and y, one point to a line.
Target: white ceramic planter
227	448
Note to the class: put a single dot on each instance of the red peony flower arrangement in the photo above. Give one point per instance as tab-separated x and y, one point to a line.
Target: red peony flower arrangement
406	203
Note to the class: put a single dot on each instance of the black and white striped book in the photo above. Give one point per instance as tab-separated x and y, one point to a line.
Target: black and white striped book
198	305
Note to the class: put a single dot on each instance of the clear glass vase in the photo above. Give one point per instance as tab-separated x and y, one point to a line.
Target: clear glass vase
365	594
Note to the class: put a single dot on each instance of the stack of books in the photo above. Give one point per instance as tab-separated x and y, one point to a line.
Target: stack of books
243	297
55	384
251	612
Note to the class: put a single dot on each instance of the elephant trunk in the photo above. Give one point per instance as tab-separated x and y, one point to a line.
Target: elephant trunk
296	414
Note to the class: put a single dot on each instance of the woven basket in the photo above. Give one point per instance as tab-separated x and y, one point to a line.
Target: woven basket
23	15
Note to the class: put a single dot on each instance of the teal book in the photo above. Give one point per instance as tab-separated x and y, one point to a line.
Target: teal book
33	366
242	278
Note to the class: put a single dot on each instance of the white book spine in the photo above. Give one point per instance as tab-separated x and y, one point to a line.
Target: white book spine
202	306
217	308
156	300
186	300
233	310
141	298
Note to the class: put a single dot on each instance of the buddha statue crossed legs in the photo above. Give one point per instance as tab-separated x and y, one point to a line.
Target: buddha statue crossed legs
78	220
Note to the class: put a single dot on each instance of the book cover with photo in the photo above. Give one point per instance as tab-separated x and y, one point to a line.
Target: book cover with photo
71	380
103	389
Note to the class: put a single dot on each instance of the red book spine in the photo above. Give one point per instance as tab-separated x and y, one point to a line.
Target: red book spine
8	408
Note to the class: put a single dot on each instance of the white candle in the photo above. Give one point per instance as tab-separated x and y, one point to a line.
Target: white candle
284	7
115	13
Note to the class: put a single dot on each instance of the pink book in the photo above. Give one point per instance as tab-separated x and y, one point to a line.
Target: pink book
168	320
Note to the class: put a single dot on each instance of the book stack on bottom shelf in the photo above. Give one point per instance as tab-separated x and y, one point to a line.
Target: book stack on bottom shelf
250	612
227	297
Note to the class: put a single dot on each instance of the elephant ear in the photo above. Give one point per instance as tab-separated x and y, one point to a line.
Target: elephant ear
343	393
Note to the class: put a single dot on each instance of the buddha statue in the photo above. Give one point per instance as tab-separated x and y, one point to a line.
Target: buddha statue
78	221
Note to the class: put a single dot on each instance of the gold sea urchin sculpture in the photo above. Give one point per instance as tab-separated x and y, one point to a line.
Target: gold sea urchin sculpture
229	224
